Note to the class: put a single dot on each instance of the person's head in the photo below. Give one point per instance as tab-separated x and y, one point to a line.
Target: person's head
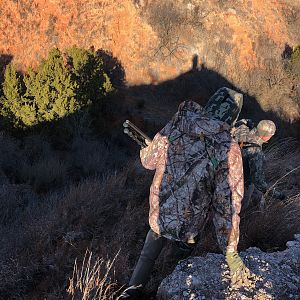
225	104
266	129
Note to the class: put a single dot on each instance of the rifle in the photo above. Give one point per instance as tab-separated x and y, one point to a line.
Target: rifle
136	134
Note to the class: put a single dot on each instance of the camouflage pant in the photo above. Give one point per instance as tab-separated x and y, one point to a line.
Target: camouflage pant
252	196
153	245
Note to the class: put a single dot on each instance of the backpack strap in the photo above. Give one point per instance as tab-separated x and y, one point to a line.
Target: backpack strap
173	138
244	145
212	158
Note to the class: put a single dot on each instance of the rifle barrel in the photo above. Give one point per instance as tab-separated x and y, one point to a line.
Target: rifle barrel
127	124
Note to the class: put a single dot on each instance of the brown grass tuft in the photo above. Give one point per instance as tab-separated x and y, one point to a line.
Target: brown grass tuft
93	281
271	228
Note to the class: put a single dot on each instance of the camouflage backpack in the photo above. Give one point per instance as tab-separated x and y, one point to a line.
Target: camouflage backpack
225	104
187	154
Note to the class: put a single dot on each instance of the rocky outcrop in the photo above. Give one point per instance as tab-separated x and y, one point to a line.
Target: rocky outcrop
275	276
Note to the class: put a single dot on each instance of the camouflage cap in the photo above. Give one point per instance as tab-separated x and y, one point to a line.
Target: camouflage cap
266	128
225	104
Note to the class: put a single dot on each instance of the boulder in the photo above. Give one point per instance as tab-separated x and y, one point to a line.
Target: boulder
275	276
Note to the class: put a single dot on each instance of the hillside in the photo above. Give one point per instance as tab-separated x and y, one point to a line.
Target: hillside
243	41
73	193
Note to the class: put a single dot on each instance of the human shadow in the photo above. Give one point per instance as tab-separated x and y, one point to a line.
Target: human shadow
150	105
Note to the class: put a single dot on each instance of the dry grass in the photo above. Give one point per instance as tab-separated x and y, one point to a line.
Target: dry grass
282	162
10	154
45	174
86	155
271	228
92	281
14	199
104	212
42	239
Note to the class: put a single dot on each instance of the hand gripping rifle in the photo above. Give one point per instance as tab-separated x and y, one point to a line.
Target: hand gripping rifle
136	134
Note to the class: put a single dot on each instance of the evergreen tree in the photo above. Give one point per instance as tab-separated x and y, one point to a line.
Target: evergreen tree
12	90
93	83
14	106
60	86
52	88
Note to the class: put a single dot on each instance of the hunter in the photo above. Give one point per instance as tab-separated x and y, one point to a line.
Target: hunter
199	175
251	139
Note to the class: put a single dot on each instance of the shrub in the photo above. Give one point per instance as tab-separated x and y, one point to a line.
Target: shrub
14	200
10	154
61	86
271	228
93	280
86	156
167	19
14	106
52	88
87	69
295	61
45	174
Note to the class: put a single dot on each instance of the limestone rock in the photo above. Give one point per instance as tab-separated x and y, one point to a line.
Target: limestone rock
275	276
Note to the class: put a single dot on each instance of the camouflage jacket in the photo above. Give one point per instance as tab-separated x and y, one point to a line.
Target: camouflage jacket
198	174
253	156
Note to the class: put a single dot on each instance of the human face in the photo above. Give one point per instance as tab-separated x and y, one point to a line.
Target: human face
266	138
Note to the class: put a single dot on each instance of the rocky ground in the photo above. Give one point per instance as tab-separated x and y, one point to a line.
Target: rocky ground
275	276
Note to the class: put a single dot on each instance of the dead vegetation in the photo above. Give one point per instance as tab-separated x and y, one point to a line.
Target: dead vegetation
271	228
92	280
176	26
45	230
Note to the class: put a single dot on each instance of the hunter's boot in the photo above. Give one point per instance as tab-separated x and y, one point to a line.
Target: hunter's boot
131	293
152	248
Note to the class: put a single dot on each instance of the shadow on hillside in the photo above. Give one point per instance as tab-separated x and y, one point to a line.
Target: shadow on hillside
151	105
113	68
156	103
